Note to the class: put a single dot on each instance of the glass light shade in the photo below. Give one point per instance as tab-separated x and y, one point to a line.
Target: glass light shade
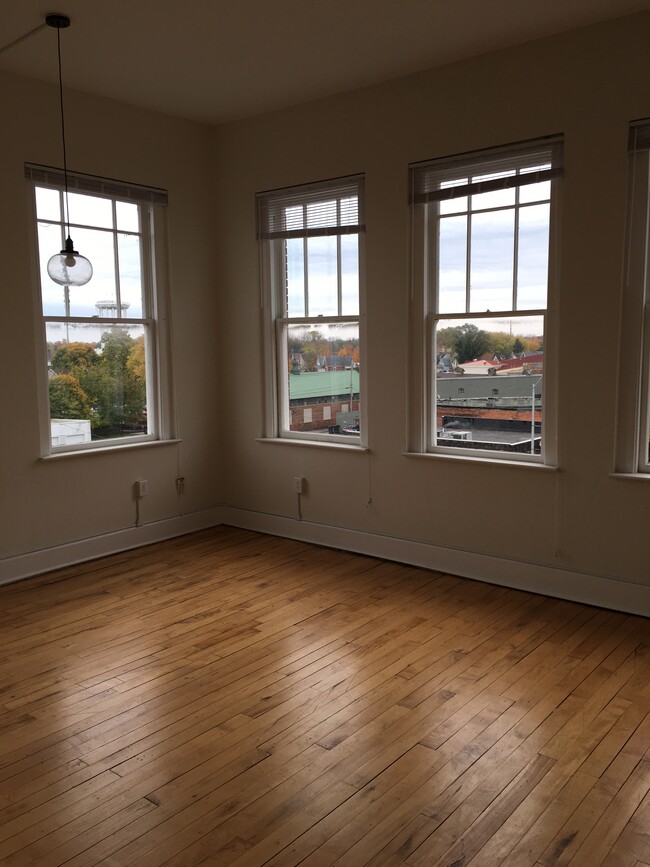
69	268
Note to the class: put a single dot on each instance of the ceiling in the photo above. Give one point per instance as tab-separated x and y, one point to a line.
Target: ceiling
222	60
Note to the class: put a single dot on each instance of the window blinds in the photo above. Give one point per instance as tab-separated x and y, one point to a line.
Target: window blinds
329	208
639	138
486	171
77	183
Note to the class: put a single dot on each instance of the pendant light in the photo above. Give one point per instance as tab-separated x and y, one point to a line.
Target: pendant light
67	268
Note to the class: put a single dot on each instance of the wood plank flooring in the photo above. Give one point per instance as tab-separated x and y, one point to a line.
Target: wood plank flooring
232	698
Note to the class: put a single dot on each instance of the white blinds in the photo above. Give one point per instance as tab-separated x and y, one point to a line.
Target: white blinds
639	138
328	208
486	171
52	177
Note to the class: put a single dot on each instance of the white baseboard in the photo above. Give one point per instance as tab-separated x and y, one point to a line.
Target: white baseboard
58	556
602	591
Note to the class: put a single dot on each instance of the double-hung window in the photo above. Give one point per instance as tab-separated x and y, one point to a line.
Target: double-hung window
483	303
633	442
312	263
104	353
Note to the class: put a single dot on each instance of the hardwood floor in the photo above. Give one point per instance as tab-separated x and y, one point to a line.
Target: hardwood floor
232	698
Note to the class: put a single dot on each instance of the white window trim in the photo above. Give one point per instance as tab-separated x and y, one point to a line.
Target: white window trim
422	314
154	262
275	428
631	450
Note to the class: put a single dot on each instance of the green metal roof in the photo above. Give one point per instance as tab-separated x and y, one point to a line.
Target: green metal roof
326	383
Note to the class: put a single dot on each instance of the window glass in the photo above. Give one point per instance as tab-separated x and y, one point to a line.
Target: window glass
315	284
485	260
98	336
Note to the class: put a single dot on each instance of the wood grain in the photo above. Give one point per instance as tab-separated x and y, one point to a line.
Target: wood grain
232	698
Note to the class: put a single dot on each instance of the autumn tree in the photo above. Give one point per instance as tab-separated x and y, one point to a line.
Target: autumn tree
67	398
74	358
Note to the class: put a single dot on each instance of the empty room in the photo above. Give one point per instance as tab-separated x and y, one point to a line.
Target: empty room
325	469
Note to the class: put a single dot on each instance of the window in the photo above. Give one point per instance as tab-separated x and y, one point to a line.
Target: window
102	376
312	261
483	268
633	442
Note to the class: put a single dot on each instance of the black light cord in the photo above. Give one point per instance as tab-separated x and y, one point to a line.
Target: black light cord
21	38
65	158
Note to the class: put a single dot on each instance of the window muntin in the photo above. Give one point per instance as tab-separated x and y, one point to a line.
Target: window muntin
311	238
484	231
101	340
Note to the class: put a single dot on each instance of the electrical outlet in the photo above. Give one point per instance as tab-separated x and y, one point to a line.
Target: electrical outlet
141	488
180	485
299	484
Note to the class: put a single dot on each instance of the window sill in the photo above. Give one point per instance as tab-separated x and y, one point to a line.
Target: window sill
635	477
528	465
102	450
288	441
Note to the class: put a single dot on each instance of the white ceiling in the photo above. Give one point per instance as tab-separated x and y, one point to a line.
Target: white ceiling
220	60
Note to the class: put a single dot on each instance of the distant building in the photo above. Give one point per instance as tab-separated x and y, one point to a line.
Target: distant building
109	309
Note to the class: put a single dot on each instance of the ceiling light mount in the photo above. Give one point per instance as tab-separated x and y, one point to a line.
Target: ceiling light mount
67	268
57	20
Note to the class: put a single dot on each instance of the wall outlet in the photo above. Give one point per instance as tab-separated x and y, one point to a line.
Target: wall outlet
141	488
180	485
299	484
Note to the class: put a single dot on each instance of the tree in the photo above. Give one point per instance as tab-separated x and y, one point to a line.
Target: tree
518	347
500	343
464	342
67	398
136	362
74	358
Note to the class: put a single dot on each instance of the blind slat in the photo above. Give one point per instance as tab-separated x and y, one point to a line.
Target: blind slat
486	171
639	138
328	208
53	177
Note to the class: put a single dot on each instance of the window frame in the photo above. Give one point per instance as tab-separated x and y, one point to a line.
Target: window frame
155	313
632	450
423	303
276	319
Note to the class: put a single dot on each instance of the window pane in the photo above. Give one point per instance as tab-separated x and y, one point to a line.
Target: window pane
322	276
50	242
452	265
453	206
98	297
492	252
48	204
295	252
535	192
489	373
90	210
130	276
97	382
532	257
128	216
323	378
350	275
496	198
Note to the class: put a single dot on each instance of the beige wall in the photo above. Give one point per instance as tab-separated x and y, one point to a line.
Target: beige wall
43	504
587	85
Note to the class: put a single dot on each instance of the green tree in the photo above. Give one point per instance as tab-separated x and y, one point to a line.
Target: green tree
67	398
518	347
463	342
